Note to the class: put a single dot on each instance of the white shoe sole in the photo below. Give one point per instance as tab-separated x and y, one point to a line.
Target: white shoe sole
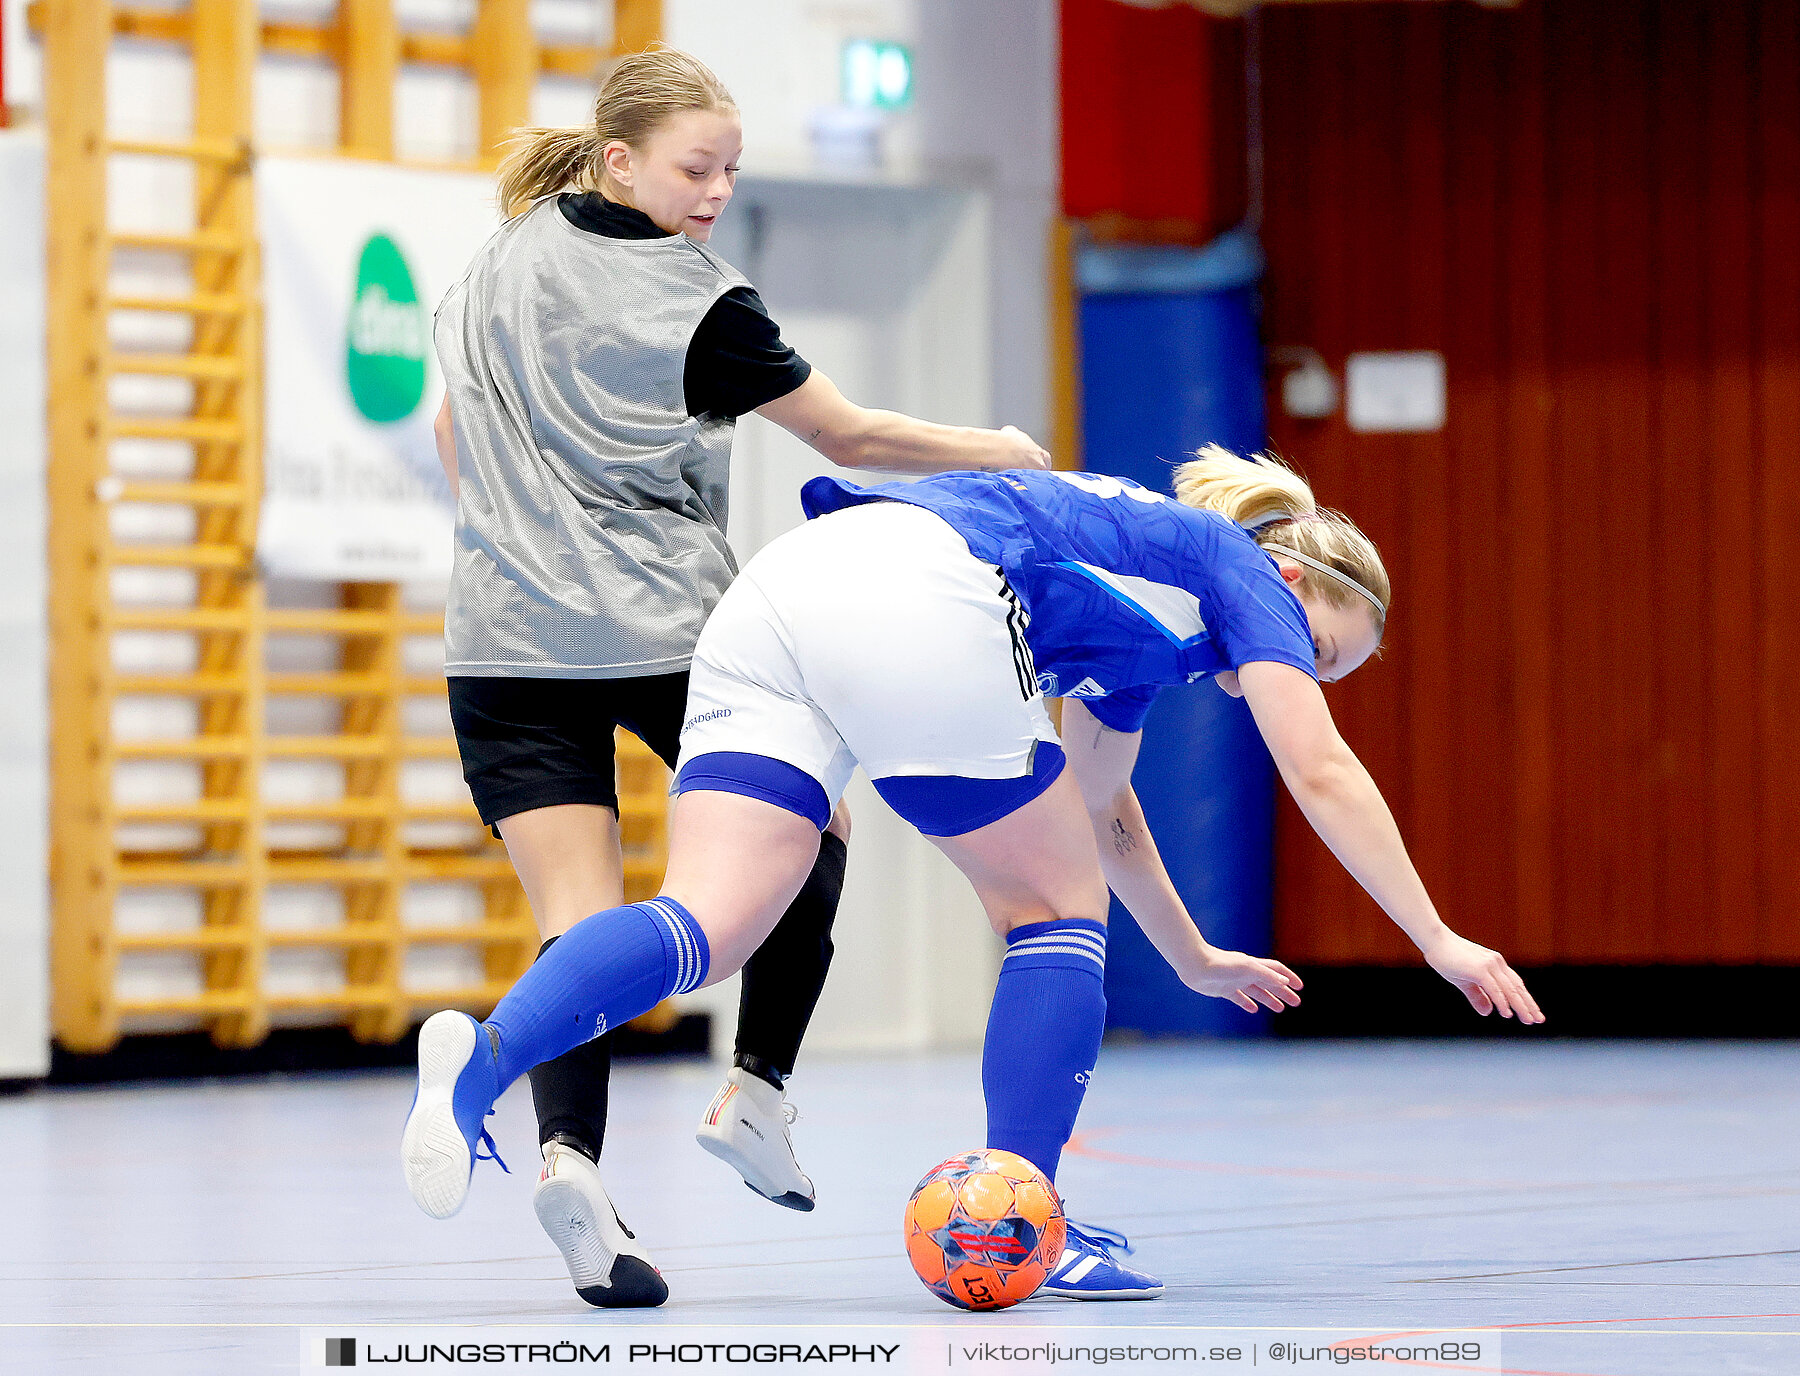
720	1145
568	1217
432	1150
1045	1292
603	1276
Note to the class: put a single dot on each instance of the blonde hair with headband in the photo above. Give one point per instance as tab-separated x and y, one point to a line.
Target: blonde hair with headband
1276	505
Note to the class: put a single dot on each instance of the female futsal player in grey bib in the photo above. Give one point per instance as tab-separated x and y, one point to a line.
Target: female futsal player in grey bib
596	358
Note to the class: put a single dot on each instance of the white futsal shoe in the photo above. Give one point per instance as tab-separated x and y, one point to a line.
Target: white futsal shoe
609	1266
746	1127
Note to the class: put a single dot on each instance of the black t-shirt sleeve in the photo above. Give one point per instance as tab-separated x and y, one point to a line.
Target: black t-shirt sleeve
737	359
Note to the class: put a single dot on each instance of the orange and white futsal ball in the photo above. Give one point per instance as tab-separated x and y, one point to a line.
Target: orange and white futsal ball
984	1229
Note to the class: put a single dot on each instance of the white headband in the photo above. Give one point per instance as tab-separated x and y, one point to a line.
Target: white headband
1330	572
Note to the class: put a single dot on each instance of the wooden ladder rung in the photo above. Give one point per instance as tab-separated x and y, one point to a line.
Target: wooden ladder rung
426	685
192	810
331	810
183	748
297	38
195	150
473	934
444	868
339	935
193	429
426	868
197	874
329	620
350	997
327	747
200	303
328	870
577	60
326	685
214	1001
369	810
180	619
440	812
204	494
197	685
429	747
201	367
178	556
192	241
190	939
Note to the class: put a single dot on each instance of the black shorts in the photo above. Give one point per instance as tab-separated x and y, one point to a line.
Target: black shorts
536	742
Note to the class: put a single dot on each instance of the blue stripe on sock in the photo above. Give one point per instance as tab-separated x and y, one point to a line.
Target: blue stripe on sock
1072	941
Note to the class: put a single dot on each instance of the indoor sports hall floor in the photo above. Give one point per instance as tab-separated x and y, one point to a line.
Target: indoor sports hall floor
1624	1209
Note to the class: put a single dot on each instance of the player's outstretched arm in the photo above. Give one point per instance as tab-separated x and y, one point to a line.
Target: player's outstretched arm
1343	805
1101	760
855	436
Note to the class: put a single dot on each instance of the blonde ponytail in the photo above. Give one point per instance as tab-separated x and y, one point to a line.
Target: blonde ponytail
1249	491
640	94
539	162
1278	507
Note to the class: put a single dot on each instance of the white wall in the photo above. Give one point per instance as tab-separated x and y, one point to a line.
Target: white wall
24	724
984	114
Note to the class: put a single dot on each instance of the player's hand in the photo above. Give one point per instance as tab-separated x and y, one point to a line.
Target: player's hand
1484	977
1248	981
1021	451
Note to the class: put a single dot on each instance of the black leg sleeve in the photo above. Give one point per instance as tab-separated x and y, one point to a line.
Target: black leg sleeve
569	1092
783	979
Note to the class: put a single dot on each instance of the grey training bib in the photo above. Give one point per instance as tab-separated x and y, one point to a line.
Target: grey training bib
590	534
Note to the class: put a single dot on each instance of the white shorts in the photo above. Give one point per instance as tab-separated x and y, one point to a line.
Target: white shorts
870	636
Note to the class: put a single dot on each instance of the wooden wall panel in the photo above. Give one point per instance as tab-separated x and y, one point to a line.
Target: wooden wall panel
1584	719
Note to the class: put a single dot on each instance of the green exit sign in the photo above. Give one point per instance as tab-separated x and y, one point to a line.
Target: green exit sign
877	76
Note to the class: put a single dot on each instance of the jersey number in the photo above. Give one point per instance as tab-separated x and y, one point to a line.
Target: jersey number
1103	485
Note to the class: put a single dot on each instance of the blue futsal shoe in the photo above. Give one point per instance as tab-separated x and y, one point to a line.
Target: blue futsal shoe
458	1083
1087	1269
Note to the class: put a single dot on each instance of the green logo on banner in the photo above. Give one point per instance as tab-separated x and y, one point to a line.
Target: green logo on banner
385	354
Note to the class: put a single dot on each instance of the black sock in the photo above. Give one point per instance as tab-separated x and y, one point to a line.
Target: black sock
783	979
569	1092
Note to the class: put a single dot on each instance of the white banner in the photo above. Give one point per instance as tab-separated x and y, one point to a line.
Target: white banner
356	257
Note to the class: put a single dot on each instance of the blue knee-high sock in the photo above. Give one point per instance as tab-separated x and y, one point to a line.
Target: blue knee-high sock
603	972
1043	1036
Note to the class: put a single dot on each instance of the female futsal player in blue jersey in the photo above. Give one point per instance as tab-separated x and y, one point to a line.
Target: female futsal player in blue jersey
914	629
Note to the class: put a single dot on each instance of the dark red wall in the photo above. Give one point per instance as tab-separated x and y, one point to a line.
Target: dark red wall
1587	720
1152	121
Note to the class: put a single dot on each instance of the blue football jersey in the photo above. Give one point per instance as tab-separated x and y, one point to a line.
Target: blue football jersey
1128	591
